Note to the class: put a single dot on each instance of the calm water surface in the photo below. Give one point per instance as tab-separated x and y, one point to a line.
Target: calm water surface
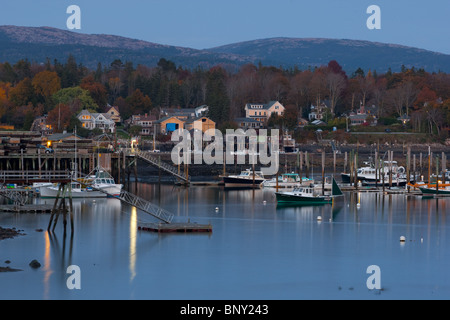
256	250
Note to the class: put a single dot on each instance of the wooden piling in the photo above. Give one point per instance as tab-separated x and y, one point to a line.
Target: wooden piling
334	163
323	172
437	174
408	165
345	161
376	169
301	167
391	156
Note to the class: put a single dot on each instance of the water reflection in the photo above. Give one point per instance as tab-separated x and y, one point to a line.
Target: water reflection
133	239
252	238
47	267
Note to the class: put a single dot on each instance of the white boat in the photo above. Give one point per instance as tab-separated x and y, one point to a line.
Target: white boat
99	185
287	180
36	186
368	175
246	179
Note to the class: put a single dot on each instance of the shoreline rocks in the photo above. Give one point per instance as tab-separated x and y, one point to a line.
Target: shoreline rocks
9	233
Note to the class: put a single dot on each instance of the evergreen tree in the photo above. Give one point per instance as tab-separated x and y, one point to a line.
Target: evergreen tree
216	96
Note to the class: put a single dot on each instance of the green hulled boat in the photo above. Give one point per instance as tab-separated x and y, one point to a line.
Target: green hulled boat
432	190
307	195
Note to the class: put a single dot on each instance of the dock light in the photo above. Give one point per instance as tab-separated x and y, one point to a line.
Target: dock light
49	144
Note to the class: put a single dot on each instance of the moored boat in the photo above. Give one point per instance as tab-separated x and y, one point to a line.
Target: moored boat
307	195
98	185
443	189
369	176
246	179
287	180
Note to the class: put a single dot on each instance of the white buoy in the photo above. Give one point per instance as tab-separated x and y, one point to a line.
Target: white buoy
217	209
402	239
319	218
421	240
264	202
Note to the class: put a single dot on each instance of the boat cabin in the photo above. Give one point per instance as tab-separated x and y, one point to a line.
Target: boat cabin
249	173
303	191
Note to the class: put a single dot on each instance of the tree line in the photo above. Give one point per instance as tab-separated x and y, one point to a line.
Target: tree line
61	90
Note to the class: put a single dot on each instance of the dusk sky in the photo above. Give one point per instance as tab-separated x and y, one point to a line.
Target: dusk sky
204	24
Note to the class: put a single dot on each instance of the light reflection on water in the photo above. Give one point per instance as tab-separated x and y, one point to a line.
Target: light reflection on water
257	250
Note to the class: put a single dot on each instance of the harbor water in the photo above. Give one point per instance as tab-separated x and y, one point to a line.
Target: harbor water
257	249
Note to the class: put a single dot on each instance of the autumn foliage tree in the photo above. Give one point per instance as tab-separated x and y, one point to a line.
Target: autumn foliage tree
22	93
45	84
29	89
138	103
96	90
59	118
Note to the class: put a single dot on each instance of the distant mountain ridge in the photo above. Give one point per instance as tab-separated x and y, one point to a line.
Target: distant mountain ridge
350	54
39	43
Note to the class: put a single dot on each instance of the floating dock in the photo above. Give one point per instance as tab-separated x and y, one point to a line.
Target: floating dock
175	227
29	208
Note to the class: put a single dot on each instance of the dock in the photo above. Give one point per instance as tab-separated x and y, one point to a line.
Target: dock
175	227
27	208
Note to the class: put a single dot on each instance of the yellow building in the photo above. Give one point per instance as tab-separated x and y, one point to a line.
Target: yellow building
169	124
202	124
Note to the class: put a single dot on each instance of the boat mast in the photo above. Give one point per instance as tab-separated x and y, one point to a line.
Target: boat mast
75	169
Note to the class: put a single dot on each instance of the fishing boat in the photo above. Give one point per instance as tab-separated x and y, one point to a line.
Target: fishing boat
397	181
36	186
287	180
246	179
100	184
307	195
443	189
369	176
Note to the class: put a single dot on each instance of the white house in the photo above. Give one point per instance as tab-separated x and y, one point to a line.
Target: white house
101	121
145	121
318	112
364	115
261	112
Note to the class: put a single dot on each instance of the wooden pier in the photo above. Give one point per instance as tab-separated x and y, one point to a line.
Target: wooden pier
175	227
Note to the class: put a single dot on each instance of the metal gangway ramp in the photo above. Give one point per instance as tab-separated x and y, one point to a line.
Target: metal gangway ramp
146	156
131	199
144	205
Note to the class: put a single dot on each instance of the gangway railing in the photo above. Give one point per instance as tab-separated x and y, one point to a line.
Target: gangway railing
145	206
28	177
146	156
131	199
18	196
